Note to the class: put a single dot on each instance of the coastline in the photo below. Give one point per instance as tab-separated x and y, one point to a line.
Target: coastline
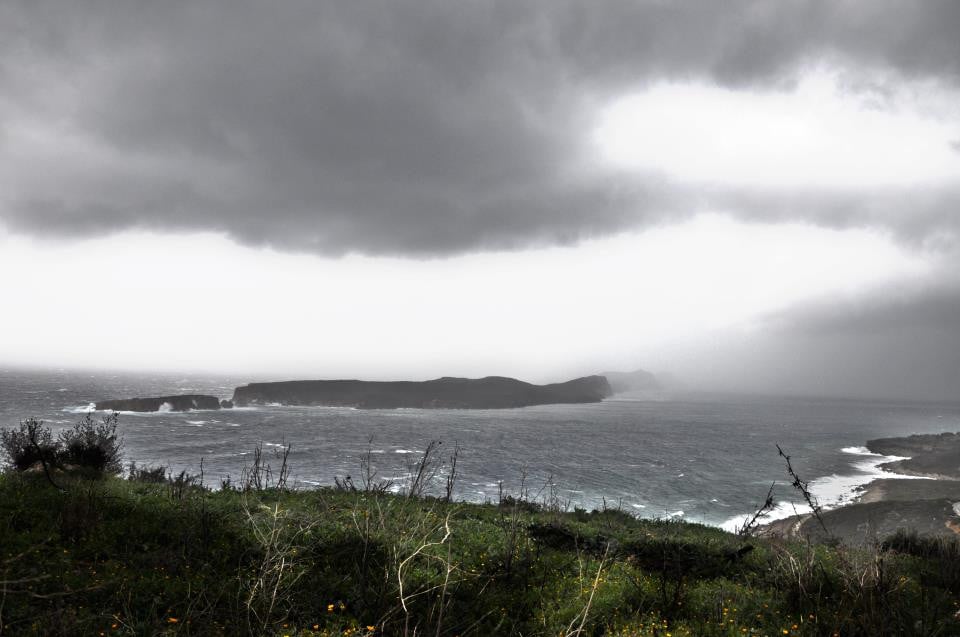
917	491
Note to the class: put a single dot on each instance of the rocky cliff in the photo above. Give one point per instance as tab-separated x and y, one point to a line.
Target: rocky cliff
492	392
161	403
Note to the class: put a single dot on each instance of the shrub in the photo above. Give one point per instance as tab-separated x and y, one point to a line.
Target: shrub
942	552
93	446
87	445
28	445
149	475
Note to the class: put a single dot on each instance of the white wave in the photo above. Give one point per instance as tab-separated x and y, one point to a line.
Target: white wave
830	491
676	514
197	423
162	413
404	451
639	506
859	451
80	409
781	510
326	407
165	408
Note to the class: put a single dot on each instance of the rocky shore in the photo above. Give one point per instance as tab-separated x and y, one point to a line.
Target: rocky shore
931	455
929	507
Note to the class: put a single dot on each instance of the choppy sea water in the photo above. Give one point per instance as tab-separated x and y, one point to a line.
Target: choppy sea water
704	458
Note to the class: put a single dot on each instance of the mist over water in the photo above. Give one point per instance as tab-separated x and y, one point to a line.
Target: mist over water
706	458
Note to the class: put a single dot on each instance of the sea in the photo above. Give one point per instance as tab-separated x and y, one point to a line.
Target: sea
677	455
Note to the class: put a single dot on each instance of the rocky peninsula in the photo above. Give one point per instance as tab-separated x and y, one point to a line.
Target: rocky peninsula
929	507
928	455
492	392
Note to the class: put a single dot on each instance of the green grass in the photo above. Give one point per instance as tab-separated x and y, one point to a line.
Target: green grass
116	557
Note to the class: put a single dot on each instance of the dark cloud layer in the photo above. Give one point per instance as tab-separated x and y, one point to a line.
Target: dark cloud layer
899	342
928	307
397	127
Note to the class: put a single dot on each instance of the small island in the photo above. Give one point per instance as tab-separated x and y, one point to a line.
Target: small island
639	380
492	392
187	402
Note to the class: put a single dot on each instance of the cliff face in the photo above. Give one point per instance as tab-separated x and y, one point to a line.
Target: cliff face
492	392
161	403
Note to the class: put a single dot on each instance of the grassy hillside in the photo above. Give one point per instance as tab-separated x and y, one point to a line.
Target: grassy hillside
119	557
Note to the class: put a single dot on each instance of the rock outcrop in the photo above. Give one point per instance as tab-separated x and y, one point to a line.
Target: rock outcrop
492	392
161	403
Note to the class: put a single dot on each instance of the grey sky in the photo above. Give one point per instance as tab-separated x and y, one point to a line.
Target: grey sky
430	128
405	127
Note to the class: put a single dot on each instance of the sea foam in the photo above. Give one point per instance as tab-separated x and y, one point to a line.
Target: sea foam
830	491
80	409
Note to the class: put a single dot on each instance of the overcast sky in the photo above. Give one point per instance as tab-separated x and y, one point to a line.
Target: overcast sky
753	196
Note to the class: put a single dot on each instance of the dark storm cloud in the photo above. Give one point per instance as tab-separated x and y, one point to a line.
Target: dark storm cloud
900	341
918	217
909	362
394	127
930	306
